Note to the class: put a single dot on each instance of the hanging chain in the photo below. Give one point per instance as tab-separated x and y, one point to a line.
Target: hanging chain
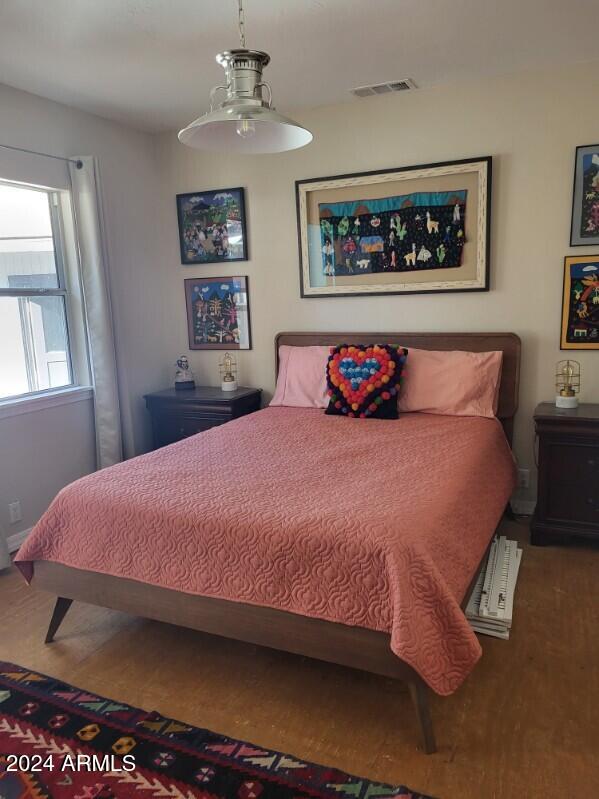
241	24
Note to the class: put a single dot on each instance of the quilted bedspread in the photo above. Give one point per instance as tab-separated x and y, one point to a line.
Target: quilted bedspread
374	523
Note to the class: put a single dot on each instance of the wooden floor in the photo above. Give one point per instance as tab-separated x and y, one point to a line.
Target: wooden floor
525	724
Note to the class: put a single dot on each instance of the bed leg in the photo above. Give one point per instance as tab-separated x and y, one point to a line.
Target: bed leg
60	611
419	694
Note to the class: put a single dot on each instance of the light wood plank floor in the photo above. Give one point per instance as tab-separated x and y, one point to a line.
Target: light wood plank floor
525	724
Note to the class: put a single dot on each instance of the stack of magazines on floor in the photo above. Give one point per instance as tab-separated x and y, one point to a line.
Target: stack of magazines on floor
491	603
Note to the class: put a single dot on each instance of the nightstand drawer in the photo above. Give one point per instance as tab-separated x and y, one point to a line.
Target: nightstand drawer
573	463
171	428
568	502
179	414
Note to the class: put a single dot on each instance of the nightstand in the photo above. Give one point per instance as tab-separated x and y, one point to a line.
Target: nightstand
179	414
568	491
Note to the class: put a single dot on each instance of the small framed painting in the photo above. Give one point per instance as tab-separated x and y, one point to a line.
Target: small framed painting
218	313
410	230
212	226
585	199
580	311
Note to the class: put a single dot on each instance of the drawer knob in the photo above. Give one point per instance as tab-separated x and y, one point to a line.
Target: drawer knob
181	430
591	501
592	462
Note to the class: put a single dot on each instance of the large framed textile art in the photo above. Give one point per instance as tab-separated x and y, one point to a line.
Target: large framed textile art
408	230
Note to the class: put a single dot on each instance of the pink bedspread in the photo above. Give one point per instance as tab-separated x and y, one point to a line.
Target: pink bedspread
379	524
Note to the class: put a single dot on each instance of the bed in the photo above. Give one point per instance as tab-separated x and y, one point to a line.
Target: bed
285	529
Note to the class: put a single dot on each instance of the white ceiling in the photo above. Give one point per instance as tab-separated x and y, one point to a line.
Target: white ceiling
150	63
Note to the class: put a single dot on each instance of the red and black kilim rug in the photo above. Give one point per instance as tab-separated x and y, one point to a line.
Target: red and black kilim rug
61	742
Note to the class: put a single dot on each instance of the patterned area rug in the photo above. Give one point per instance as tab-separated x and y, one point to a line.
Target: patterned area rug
61	742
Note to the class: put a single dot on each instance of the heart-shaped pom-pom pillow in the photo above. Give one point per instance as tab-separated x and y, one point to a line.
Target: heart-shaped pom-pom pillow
363	381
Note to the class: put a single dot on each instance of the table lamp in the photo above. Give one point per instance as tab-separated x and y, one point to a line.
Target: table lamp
567	384
228	371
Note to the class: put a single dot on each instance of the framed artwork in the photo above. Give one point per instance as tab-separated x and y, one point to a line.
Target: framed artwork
218	313
580	311
585	197
410	230
212	226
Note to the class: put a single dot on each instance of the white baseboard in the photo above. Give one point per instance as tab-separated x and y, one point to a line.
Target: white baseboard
15	541
523	507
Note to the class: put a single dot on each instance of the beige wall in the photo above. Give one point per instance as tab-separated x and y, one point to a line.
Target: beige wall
41	452
530	124
129	185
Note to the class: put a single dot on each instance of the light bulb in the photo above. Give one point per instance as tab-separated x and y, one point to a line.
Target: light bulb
567	372
245	128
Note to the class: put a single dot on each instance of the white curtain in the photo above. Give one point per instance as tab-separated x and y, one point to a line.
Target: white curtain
87	209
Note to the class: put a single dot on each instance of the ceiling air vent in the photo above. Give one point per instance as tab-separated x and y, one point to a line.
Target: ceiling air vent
384	88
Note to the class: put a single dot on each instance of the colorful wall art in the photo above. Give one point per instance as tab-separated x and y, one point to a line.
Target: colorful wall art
580	312
585	200
407	230
212	226
218	313
395	234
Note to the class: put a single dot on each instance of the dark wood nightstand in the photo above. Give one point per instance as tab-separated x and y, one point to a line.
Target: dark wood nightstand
179	414
568	492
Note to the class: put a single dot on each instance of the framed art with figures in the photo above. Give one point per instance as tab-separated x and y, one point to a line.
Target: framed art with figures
212	226
408	230
585	197
218	313
580	306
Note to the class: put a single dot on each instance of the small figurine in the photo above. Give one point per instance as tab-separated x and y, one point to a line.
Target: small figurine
184	376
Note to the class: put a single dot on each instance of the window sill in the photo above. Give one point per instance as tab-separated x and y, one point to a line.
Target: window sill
50	399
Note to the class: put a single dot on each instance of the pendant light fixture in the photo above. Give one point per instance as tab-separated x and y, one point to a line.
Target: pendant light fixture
244	122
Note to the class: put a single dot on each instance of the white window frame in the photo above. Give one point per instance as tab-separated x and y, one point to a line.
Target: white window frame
65	255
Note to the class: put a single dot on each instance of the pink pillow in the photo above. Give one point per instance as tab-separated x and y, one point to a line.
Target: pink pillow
451	383
302	377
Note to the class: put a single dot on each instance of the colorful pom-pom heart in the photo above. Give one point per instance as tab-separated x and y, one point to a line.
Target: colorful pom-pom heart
362	381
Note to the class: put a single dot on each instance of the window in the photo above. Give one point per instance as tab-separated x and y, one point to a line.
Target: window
34	337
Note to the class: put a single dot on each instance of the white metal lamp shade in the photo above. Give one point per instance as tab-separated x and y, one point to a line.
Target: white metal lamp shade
245	130
244	122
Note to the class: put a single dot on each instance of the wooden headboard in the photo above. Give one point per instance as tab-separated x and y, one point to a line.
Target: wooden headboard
508	343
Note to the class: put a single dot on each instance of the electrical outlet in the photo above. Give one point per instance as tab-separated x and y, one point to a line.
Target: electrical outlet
523	478
14	511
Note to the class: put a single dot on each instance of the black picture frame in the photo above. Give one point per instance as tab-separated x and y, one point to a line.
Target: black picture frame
485	166
207	213
580	315
584	206
203	325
